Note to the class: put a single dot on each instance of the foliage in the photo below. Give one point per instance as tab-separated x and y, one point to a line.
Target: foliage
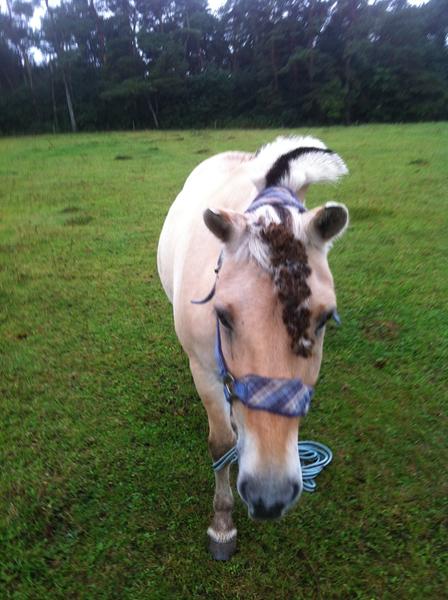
172	63
105	479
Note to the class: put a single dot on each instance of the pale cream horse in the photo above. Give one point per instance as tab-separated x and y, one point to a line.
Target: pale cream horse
272	307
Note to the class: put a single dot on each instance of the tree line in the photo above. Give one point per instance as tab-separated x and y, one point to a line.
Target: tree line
112	64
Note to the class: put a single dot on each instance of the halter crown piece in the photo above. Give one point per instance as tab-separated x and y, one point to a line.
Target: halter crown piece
287	397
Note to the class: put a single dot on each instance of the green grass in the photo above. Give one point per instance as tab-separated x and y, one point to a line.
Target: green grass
105	481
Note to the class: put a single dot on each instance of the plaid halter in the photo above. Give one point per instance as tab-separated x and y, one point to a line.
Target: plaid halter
276	196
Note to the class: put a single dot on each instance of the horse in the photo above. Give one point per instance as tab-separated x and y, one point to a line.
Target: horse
244	265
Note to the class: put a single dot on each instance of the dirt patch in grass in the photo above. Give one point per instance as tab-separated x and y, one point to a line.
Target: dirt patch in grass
421	162
10	248
367	213
70	209
81	220
382	330
152	149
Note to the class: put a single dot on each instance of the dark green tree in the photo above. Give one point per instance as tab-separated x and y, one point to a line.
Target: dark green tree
106	64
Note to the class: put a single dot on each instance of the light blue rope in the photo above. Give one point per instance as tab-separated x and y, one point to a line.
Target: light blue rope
314	457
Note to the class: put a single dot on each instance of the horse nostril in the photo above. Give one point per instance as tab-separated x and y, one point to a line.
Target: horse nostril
295	491
243	491
268	499
260	511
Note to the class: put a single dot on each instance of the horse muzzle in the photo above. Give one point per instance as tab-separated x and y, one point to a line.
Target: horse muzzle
269	498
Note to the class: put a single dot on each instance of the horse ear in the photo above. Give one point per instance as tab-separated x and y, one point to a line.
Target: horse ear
329	222
225	224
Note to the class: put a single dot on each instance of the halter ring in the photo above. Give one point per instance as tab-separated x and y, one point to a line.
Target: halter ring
228	382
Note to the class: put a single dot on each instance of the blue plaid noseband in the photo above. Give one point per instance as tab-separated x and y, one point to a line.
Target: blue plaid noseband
287	397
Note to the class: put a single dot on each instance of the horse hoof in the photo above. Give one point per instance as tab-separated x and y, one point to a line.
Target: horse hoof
222	550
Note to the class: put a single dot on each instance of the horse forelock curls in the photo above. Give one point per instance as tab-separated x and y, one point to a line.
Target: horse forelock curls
290	270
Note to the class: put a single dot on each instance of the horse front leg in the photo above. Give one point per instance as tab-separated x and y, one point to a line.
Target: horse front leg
221	532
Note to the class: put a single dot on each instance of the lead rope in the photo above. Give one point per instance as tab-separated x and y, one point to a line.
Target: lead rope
314	457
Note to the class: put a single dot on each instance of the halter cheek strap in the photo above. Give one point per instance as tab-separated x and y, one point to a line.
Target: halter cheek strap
231	386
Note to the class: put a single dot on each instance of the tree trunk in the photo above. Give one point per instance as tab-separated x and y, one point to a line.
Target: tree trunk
99	32
68	97
8	4
8	80
29	78
27	68
58	47
153	112
274	64
53	101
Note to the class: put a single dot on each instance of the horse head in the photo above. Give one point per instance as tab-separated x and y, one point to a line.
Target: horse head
274	295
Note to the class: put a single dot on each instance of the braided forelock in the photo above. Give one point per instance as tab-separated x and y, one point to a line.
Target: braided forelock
290	270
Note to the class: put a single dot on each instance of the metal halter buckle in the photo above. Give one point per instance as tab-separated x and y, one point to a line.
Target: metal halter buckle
228	382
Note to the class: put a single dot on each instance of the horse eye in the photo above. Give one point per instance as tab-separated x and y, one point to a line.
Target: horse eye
224	318
325	318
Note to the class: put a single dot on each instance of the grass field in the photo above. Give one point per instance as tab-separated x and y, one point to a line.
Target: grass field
105	480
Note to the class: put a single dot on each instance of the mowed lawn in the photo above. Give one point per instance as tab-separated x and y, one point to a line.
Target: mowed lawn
105	480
